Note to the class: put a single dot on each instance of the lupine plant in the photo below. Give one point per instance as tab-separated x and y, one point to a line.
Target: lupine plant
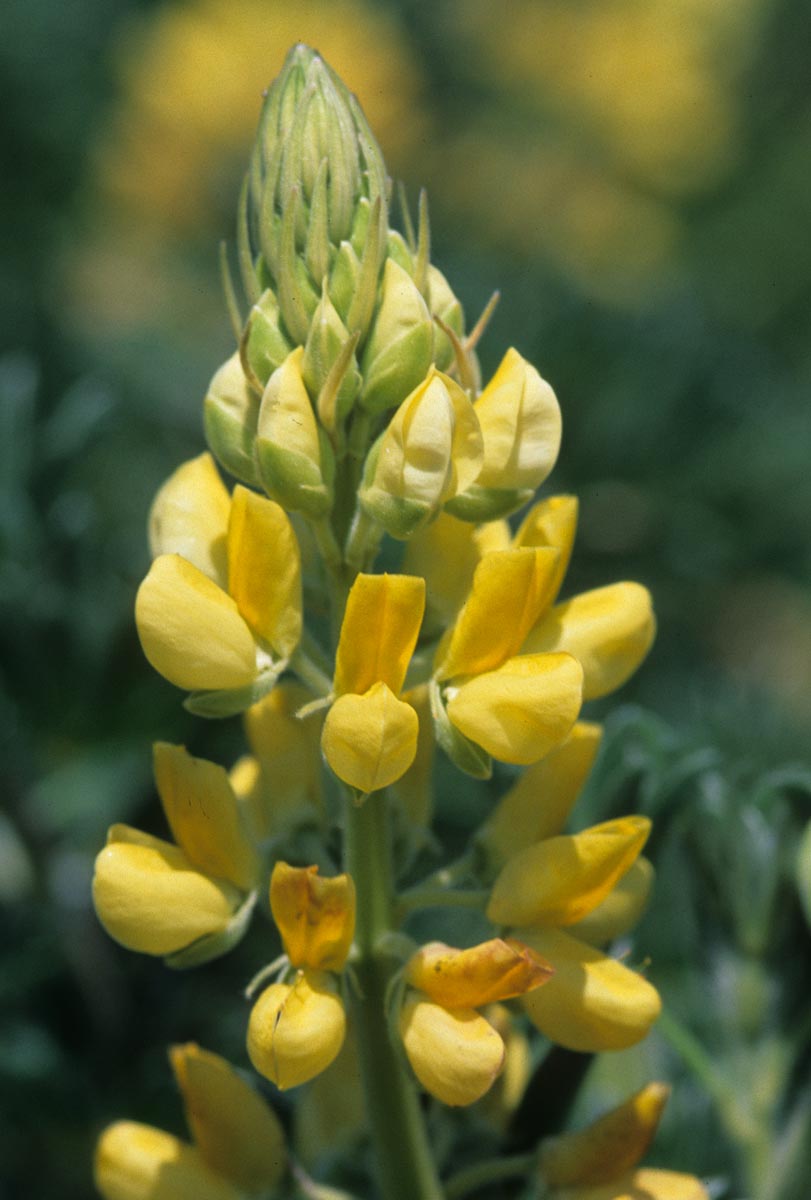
360	597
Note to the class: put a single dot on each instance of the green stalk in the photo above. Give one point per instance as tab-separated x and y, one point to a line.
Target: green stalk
405	1162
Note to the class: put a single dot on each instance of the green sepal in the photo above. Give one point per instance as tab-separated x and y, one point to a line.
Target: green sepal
228	702
294	481
479	504
214	945
398	250
344	279
400	348
463	753
445	305
230	415
263	347
325	343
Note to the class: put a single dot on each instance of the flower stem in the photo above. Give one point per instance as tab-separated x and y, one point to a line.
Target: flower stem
405	1163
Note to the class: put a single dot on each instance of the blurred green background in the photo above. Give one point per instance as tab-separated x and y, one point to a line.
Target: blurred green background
635	177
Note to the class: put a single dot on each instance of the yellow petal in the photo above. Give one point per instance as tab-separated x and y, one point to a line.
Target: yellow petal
315	916
538	805
520	711
149	897
455	1053
645	1184
264	570
289	756
236	1131
494	970
369	741
551	522
511	588
190	630
609	1147
560	880
608	630
591	1003
201	809
446	553
379	632
521	426
286	417
622	907
137	1162
189	516
295	1031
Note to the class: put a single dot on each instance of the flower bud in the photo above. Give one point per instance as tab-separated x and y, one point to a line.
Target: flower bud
264	347
430	450
521	427
294	456
230	413
400	346
455	1053
315	916
296	1030
444	304
329	367
137	1162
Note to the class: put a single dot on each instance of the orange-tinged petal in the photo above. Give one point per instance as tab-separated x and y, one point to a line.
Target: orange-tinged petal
511	588
379	632
551	522
370	741
189	516
137	1162
237	1133
455	1053
609	1147
494	970
264	569
519	712
608	630
201	809
295	1031
592	1003
149	897
560	880
315	915
648	1183
190	630
537	806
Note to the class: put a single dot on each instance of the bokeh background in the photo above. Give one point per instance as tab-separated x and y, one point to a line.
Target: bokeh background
635	177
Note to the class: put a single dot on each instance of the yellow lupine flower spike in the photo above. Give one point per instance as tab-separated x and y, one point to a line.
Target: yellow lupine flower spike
592	1002
296	1030
537	806
370	735
137	1162
315	916
560	880
492	971
236	1131
609	1147
609	631
455	1053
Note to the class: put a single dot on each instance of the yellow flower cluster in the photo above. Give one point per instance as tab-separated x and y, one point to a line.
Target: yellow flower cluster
353	410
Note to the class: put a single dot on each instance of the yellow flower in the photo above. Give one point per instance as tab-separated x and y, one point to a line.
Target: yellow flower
296	1030
455	1053
190	901
315	916
430	451
646	1183
221	605
137	1162
515	707
446	554
236	1132
370	736
521	428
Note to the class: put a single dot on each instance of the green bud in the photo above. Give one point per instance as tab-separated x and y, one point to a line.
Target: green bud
326	355
397	248
401	343
463	753
316	180
295	459
264	347
230	415
399	515
479	504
